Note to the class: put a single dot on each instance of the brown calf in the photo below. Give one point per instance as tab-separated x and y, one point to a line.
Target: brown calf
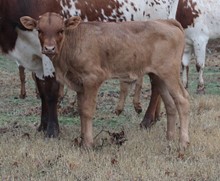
86	54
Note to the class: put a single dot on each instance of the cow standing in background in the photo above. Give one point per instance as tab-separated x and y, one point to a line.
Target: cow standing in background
201	21
24	47
123	51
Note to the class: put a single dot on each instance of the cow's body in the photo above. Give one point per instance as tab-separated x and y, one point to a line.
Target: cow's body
24	47
200	19
125	51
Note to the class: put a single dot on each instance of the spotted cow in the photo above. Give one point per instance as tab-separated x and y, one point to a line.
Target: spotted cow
200	19
124	51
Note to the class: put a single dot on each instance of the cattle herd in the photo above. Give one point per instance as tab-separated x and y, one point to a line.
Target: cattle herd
85	42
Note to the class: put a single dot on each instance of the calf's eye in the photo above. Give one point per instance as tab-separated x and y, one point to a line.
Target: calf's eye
60	32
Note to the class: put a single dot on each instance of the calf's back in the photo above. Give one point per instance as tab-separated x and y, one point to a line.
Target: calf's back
98	51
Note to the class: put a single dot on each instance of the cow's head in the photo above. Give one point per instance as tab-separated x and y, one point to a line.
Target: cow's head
50	27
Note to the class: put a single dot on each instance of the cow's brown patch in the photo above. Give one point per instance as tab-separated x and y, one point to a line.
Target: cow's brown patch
10	13
92	10
187	12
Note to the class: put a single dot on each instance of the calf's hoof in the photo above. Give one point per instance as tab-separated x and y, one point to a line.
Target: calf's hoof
182	149
118	111
138	108
200	89
86	144
22	96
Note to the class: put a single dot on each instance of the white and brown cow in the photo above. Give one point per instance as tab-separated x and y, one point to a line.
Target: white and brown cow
88	53
23	46
201	21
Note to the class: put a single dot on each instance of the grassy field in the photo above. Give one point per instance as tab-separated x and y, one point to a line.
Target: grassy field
145	155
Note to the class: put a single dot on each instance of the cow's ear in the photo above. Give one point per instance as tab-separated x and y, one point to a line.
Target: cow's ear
72	22
28	22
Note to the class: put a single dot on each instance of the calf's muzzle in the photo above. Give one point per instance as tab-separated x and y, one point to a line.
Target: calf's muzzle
49	50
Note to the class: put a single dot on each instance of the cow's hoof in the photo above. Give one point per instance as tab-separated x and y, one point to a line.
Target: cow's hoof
147	123
42	127
52	131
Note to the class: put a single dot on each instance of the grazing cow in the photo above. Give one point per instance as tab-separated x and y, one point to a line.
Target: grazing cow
86	54
24	47
200	19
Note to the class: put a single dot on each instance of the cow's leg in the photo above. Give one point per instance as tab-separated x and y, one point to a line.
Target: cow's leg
153	110
137	93
22	80
36	89
87	106
122	97
185	64
200	53
48	90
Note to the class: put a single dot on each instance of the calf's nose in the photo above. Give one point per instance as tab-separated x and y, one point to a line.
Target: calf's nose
49	49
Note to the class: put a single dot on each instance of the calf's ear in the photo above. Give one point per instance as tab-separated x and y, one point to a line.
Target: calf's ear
28	22
72	22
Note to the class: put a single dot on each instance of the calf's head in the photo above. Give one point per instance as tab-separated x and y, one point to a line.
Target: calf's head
50	27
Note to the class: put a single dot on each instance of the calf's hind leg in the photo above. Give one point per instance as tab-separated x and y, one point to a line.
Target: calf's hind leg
170	107
181	100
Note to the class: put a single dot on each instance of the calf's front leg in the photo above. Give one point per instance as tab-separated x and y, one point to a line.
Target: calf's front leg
87	106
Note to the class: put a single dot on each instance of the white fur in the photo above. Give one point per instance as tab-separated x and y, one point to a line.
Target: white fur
27	52
162	10
206	26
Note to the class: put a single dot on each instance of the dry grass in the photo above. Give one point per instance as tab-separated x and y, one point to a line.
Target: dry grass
146	155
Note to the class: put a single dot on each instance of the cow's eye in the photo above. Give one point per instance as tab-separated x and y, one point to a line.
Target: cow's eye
39	31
